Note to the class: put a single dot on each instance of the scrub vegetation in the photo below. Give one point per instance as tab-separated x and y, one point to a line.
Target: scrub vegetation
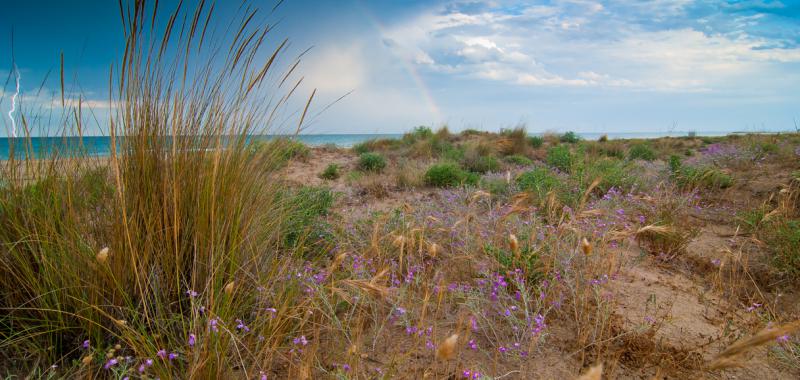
198	251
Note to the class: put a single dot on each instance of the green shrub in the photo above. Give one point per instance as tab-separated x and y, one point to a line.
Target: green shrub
371	162
362	147
280	151
538	181
496	186
448	175
453	153
331	172
373	145
783	239
569	137
536	141
477	163
674	163
418	133
528	260
614	151
304	207
641	152
694	177
560	157
431	147
612	172
519	160
471	132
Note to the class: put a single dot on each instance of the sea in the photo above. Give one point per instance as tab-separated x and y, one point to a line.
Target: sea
100	146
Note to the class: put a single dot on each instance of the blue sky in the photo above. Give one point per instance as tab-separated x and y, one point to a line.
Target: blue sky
589	66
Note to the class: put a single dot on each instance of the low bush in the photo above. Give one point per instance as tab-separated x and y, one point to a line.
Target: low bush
641	152
536	141
448	175
560	157
613	149
569	137
374	145
783	239
280	151
472	132
331	172
612	172
539	181
496	186
304	206
409	174
475	162
519	160
698	177
371	162
418	133
512	141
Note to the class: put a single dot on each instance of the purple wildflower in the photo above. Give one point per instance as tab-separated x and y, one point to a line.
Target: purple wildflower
192	340
302	341
110	363
162	353
86	344
241	326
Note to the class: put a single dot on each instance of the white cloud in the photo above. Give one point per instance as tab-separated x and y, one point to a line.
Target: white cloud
577	43
336	69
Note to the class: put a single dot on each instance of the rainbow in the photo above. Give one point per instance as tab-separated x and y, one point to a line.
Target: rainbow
409	66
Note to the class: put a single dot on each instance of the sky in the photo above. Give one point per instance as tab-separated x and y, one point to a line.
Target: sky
588	66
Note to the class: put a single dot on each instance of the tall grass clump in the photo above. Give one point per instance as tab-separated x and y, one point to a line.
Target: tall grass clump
177	244
371	162
449	175
561	158
536	141
641	152
569	137
693	177
331	172
539	181
513	141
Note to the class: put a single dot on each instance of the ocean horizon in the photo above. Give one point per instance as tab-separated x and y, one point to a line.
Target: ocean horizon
100	146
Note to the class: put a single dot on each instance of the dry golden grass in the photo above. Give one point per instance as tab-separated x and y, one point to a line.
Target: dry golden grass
733	355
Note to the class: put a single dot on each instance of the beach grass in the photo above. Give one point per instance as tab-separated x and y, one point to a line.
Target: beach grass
189	252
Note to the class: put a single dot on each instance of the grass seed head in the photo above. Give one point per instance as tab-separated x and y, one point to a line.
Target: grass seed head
447	349
433	249
229	288
586	247
102	256
513	243
594	373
